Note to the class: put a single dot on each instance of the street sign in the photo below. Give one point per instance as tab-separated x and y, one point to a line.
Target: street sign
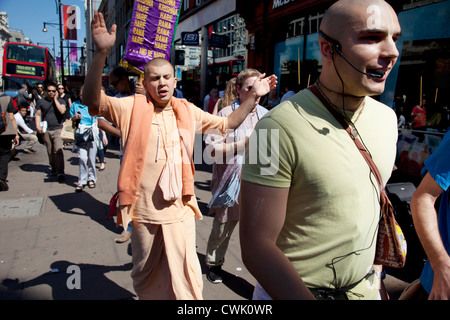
190	39
219	41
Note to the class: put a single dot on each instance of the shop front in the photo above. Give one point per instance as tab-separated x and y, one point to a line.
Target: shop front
421	81
283	39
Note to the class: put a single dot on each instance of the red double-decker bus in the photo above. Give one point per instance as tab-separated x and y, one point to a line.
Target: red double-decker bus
26	63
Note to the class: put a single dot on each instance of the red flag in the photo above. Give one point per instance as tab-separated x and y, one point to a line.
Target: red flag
71	17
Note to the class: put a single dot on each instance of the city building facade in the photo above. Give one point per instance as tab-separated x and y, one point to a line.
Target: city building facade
280	36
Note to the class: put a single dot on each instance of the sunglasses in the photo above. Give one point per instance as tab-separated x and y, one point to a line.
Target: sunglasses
51	90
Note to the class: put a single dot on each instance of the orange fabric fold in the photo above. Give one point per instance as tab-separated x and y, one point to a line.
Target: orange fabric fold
185	124
137	142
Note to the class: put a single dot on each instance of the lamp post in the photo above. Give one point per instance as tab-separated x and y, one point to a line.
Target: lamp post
58	10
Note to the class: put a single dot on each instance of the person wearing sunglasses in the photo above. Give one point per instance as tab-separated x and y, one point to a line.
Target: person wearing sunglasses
66	97
49	121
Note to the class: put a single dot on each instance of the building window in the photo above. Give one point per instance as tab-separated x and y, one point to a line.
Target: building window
234	28
314	23
295	28
186	5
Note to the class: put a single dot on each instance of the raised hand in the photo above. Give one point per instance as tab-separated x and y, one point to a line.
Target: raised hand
264	85
103	40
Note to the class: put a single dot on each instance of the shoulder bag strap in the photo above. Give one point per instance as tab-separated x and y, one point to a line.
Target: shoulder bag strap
347	128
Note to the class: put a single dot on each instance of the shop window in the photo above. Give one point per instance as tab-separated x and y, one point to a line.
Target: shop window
422	102
295	28
423	79
314	23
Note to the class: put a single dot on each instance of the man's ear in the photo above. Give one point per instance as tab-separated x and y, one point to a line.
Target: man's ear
326	50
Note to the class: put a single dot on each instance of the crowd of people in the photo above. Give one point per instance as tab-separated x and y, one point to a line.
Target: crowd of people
308	228
421	116
37	116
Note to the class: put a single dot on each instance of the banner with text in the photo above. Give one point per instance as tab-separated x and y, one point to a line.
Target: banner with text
71	16
151	32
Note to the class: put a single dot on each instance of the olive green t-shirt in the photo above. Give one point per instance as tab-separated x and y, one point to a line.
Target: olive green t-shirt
332	213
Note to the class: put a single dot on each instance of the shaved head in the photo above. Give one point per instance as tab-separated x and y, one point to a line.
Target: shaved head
366	31
345	14
157	62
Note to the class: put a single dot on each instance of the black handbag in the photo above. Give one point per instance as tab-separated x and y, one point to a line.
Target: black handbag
84	137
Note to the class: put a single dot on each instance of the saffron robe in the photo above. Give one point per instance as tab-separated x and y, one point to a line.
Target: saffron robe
156	254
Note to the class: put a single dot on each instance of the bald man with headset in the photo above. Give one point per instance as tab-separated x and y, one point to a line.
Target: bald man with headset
308	226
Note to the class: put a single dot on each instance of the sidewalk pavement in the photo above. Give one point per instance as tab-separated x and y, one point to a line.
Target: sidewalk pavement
49	234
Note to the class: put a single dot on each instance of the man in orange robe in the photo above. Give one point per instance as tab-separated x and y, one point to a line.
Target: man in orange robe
156	179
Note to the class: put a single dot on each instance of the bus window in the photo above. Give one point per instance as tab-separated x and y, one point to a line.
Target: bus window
24	53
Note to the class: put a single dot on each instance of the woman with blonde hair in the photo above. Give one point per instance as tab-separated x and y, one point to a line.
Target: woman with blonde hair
229	96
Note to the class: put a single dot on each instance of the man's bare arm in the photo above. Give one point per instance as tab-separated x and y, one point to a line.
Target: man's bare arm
104	41
60	106
37	121
262	215
105	126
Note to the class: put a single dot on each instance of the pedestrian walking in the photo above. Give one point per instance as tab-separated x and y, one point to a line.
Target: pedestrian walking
228	151
49	121
310	205
8	137
159	198
86	140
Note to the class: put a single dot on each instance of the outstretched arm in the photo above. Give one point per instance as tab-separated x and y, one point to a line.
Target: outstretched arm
103	41
261	87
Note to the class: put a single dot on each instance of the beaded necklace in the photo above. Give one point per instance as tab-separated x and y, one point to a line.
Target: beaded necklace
351	123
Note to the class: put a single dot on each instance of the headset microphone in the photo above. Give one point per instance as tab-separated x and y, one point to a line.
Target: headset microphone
378	74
